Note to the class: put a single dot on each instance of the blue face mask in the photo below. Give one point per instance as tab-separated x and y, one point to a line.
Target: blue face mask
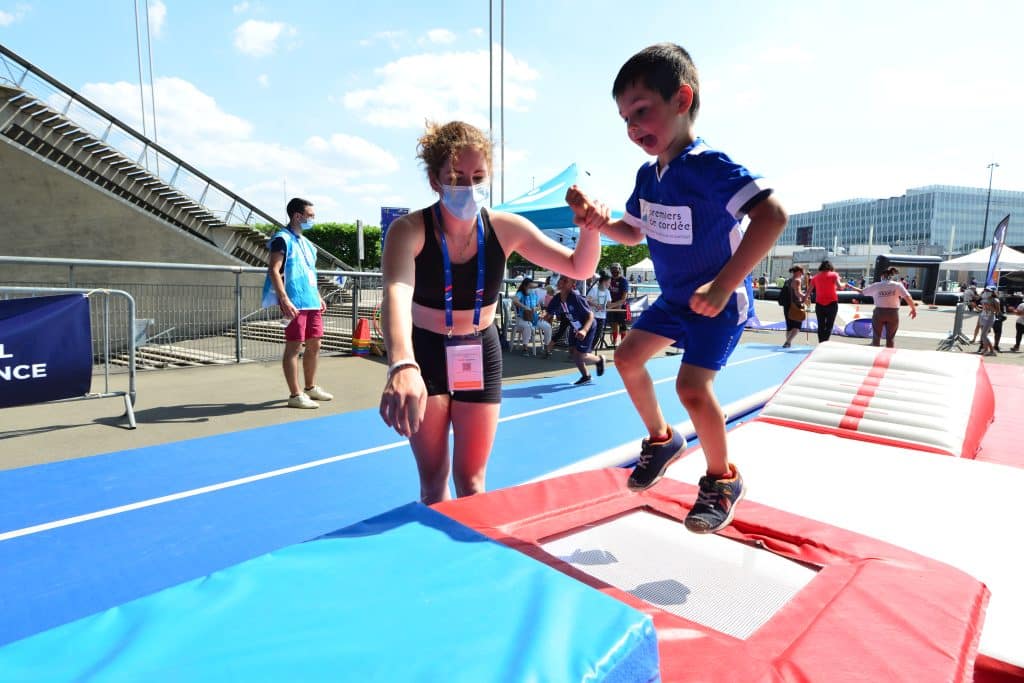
464	202
306	225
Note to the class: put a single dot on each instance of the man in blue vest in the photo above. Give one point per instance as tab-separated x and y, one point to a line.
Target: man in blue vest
291	285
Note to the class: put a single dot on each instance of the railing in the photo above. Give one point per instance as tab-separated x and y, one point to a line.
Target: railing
185	324
218	200
188	324
101	318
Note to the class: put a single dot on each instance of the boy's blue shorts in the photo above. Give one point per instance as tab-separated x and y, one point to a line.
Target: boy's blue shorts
706	342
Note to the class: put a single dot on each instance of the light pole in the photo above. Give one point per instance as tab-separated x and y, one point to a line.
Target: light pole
988	202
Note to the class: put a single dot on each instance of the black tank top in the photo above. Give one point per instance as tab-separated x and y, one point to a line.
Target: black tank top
429	286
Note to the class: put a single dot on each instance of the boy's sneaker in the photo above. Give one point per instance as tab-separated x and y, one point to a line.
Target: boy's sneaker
318	394
583	381
302	401
655	457
600	366
716	503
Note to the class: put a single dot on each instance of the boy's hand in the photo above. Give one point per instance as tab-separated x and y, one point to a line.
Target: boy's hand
709	299
587	214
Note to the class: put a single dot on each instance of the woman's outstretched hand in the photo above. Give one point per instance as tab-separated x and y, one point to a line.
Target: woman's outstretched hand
404	401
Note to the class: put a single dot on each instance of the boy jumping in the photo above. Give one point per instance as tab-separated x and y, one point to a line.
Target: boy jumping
688	204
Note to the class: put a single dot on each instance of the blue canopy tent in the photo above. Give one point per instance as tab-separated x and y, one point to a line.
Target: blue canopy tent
545	207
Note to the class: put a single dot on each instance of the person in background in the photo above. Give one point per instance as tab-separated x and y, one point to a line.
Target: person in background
986	319
886	295
528	319
549	294
291	285
997	325
824	288
619	288
689	203
573	308
793	294
598	298
443	268
1020	327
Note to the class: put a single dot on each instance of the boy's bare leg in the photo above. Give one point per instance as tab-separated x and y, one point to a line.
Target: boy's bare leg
631	362
694	386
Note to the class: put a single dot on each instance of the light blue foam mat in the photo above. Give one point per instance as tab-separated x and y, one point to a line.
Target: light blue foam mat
410	595
54	576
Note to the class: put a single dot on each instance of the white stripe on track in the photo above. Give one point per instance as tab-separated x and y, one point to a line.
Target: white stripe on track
211	488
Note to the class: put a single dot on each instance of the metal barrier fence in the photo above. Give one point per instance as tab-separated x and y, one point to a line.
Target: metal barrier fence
103	317
184	324
219	321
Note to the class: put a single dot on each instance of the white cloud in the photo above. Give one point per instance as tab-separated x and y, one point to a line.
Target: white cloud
354	152
8	18
440	36
240	8
263	80
259	38
225	146
157	15
440	87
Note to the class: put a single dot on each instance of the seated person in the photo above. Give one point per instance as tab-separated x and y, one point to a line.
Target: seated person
528	318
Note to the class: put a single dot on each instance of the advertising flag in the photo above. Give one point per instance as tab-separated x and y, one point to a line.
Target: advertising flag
998	239
45	349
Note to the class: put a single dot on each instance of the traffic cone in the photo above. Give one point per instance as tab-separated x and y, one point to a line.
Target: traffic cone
361	338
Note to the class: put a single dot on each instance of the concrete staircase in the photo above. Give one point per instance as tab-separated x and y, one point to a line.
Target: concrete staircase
56	124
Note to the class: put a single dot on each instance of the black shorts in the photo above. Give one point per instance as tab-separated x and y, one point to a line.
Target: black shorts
793	324
617	317
428	348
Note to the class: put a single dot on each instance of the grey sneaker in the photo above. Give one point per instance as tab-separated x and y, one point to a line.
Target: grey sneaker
654	460
302	401
318	394
716	503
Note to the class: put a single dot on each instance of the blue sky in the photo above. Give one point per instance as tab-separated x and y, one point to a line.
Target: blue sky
326	98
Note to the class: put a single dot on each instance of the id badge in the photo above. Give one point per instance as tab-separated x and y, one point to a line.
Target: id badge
465	361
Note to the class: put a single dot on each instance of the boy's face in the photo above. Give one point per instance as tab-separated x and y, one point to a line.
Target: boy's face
659	127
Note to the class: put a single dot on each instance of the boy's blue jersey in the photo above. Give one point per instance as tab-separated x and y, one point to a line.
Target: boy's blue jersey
691	213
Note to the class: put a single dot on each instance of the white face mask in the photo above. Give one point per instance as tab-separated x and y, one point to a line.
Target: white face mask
464	202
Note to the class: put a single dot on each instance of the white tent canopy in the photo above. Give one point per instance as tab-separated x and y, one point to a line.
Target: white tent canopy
642	269
1009	259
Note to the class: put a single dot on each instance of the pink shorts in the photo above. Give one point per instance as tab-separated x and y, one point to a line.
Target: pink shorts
306	325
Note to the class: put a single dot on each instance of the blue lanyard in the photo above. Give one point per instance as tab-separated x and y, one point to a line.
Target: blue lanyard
480	261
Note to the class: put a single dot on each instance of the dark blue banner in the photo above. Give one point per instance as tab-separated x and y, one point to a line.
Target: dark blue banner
388	214
998	240
45	349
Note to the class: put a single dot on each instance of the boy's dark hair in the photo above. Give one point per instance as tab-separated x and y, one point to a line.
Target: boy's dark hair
825	265
297	205
662	68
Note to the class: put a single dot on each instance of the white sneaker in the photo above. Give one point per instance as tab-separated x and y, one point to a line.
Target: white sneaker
318	394
302	401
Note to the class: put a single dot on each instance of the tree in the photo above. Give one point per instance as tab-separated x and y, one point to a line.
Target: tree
626	255
340	239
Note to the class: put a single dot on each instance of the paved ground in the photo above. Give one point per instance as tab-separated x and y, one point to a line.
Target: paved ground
173	405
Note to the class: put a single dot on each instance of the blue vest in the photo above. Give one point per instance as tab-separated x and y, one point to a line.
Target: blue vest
299	274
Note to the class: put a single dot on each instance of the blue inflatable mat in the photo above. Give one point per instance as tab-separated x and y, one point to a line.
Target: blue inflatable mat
409	595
